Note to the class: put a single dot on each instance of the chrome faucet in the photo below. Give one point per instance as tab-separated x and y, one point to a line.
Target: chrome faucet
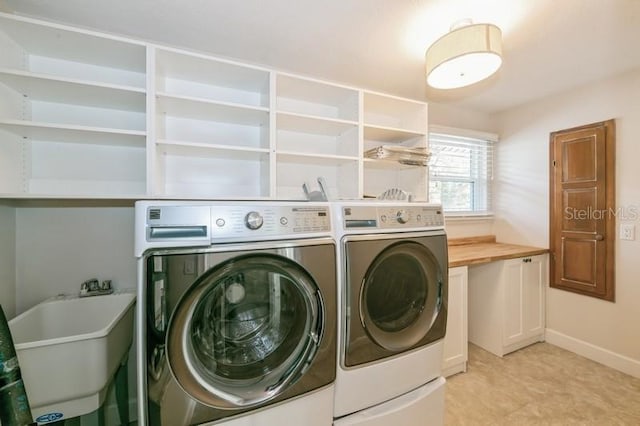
93	287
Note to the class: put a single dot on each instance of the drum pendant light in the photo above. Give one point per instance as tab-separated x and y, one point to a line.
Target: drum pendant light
466	55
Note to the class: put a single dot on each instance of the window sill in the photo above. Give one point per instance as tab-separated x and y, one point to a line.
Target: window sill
468	217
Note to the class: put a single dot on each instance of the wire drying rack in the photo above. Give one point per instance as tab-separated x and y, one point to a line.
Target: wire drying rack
415	156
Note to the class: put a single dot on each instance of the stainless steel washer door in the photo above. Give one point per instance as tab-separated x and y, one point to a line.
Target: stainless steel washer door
396	295
400	296
245	331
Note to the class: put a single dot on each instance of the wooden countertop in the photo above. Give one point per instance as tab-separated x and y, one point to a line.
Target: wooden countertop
483	249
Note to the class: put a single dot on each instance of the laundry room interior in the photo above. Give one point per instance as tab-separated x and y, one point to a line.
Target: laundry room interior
148	148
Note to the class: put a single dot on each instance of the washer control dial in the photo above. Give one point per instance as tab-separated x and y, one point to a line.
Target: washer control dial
253	220
402	216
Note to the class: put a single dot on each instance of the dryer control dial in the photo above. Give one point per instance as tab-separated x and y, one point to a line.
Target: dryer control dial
253	220
402	216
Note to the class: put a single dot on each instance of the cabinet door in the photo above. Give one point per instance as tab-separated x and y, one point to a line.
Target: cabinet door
523	283
534	277
455	341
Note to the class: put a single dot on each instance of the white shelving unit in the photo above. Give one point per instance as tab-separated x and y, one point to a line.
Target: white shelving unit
390	120
72	111
317	135
84	114
212	127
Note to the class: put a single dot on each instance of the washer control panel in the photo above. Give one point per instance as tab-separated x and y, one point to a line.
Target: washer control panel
392	216
244	220
234	222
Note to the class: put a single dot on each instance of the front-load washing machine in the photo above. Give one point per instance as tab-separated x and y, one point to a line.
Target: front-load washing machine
392	304
236	316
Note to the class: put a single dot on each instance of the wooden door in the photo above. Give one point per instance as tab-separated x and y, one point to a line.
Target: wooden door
582	209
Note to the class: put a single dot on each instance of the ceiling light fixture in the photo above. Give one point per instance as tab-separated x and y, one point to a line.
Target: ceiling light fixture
467	54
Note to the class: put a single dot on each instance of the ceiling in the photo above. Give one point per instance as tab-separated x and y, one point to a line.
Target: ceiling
549	45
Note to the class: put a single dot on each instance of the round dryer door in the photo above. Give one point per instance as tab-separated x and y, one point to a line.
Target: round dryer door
245	331
401	295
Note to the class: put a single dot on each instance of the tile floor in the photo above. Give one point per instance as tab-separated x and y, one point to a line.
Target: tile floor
540	385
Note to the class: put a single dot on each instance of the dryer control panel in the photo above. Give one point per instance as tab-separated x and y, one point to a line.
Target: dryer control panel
392	216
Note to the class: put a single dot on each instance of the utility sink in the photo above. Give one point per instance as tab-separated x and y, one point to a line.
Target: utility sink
69	349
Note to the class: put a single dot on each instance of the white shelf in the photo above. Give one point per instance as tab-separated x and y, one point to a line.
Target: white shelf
73	134
340	175
193	75
202	172
304	158
43	87
203	109
311	124
412	180
389	134
185	148
312	135
314	98
87	188
50	45
389	164
384	111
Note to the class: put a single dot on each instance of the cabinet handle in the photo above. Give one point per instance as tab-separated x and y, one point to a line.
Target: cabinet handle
599	237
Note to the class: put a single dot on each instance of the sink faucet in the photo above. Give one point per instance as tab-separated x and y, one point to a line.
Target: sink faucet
93	287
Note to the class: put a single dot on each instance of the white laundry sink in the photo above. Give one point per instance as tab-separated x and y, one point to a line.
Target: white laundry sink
69	349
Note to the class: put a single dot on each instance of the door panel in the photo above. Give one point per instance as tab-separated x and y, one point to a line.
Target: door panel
582	209
513	326
533	278
579	161
576	201
583	269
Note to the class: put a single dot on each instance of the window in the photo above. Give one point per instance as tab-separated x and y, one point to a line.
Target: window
460	171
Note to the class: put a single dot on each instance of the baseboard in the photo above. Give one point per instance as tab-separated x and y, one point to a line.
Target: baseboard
595	353
455	369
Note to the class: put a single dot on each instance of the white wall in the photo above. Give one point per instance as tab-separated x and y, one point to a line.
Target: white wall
8	260
57	248
523	206
450	116
460	228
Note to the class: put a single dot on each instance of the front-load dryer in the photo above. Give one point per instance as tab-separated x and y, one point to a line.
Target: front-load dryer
392	299
237	313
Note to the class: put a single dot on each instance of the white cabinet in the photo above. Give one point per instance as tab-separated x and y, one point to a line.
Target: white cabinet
455	341
83	114
72	111
506	303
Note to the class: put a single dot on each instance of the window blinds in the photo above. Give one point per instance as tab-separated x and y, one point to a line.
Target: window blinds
460	173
